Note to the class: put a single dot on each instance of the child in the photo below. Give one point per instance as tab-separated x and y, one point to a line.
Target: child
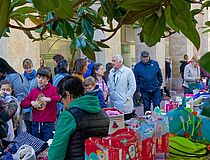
43	100
6	90
92	89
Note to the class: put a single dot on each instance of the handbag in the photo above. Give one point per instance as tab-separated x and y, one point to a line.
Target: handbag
193	86
3	129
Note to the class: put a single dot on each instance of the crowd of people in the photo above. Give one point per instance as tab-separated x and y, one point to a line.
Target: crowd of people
71	102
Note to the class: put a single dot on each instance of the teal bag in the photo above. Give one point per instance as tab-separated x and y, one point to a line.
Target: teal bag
183	148
193	86
185	124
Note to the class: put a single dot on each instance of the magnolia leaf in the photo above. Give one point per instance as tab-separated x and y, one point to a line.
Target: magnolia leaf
34	19
182	18
204	62
140	5
205	4
102	45
4	11
206	31
169	20
207	23
195	11
65	10
45	6
87	28
16	3
132	16
153	29
89	52
93	45
23	11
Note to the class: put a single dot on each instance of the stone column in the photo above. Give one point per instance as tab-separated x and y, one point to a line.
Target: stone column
178	46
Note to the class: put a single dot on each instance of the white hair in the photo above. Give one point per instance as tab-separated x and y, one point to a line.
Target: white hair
119	58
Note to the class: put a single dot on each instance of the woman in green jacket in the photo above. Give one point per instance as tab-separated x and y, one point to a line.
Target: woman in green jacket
82	118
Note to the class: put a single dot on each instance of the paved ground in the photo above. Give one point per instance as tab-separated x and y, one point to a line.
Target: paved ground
140	109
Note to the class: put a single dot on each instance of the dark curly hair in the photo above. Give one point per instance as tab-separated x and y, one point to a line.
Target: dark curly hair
71	84
62	66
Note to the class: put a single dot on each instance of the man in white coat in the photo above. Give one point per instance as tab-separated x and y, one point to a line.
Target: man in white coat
122	86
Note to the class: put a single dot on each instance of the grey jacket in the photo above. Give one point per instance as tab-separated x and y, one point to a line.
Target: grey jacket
17	82
190	74
28	85
122	88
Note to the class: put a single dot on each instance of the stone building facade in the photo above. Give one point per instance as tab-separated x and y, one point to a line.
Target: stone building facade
126	42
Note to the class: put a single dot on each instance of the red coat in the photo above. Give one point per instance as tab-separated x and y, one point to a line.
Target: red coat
48	114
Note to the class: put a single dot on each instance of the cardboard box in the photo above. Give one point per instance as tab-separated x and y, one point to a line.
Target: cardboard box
116	121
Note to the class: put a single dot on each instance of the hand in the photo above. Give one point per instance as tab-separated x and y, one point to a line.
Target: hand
1	93
35	104
45	99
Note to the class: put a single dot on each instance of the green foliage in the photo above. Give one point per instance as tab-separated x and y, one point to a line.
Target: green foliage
4	11
204	62
182	19
153	29
78	19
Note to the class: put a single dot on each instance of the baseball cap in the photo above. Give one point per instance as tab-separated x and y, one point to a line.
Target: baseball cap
144	54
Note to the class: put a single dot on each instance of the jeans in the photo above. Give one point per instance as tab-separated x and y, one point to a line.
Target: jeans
28	126
43	130
154	96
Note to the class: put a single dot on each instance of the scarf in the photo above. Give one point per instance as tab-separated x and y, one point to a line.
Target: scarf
30	76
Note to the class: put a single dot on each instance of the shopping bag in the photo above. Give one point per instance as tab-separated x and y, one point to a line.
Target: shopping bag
193	86
94	149
162	137
146	139
126	141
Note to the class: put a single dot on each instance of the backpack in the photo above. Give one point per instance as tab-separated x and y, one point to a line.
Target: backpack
183	148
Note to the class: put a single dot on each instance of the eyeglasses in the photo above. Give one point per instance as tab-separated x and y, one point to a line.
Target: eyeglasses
64	95
29	67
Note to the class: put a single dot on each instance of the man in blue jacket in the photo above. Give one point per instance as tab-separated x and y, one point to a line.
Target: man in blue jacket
148	80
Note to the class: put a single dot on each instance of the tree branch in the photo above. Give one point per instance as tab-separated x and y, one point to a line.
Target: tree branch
116	29
36	27
170	33
197	2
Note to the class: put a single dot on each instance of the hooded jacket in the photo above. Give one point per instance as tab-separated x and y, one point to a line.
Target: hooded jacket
67	126
97	92
48	114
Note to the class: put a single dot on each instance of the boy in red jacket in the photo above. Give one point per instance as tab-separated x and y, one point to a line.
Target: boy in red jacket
43	100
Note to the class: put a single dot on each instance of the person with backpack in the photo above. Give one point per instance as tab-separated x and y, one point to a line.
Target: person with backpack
81	119
62	72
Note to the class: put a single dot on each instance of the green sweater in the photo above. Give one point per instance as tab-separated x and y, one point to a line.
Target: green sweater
67	126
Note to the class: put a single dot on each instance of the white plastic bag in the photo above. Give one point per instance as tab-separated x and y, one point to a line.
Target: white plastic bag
25	152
